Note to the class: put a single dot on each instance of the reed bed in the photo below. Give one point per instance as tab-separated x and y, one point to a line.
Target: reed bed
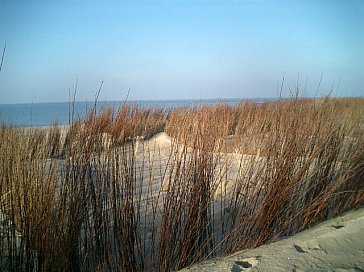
114	193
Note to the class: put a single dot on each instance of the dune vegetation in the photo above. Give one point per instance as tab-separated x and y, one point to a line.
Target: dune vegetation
149	189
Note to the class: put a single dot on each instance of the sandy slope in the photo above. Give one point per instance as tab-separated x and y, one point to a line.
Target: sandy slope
335	245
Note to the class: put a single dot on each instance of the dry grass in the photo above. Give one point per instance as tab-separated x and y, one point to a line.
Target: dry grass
103	198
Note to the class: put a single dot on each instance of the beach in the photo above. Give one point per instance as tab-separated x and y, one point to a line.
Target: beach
336	245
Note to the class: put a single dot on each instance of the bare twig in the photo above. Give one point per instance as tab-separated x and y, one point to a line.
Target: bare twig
2	57
74	99
97	96
318	86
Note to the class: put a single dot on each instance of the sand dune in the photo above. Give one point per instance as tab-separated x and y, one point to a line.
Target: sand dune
335	245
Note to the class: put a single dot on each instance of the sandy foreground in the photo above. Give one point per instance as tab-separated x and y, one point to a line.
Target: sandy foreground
334	245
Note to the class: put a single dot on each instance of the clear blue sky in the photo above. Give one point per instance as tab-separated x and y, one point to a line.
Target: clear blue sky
179	49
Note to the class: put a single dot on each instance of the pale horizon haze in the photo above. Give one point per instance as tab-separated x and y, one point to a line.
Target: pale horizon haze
163	50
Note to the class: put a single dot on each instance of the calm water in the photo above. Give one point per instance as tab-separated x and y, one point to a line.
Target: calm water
43	114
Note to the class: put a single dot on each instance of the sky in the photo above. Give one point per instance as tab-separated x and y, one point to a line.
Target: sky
179	49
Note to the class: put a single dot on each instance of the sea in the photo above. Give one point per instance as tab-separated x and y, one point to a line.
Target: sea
61	113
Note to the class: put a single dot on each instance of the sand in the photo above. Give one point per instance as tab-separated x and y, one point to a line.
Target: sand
335	245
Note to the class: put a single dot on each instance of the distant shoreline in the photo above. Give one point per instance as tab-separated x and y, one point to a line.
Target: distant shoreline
163	101
46	114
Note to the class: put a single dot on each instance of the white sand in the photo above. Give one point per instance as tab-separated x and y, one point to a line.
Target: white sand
335	245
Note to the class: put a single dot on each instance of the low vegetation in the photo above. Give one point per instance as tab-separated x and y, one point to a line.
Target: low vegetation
102	195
